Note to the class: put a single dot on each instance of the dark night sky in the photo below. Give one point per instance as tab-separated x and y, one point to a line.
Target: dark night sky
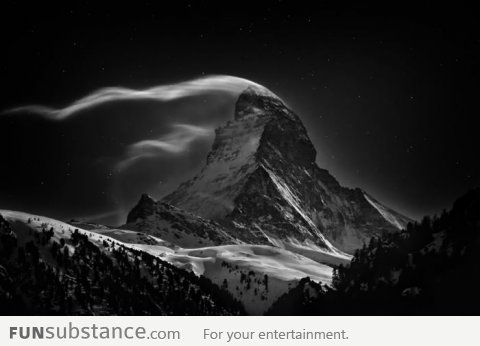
389	96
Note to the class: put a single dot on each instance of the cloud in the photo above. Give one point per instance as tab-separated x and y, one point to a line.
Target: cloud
168	92
175	142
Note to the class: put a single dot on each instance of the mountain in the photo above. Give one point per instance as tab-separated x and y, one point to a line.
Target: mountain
431	268
262	184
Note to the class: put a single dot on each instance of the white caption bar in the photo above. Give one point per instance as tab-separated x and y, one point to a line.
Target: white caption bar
371	331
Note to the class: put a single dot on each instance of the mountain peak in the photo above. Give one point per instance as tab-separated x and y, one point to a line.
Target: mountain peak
144	207
256	101
257	91
145	197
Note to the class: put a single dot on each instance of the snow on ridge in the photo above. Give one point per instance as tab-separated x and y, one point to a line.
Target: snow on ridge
385	213
293	200
288	195
61	229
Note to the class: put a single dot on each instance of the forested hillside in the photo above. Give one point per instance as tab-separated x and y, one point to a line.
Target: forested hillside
44	275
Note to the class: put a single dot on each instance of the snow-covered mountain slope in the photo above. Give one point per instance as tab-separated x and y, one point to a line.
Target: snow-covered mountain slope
123	235
256	275
261	182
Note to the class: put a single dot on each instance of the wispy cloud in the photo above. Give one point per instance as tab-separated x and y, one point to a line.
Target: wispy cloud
175	142
166	92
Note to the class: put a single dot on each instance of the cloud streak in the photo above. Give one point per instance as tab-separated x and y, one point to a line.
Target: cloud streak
181	136
175	142
168	92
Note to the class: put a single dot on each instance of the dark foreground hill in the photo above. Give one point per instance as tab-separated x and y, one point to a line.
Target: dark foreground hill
431	268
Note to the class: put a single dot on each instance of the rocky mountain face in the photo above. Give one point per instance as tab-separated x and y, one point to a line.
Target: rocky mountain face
261	185
175	225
